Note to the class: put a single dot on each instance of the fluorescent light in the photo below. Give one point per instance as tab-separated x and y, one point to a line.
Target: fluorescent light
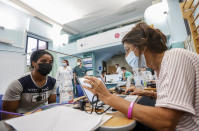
62	11
65	11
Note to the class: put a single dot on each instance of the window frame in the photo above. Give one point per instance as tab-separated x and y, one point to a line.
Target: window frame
47	43
38	38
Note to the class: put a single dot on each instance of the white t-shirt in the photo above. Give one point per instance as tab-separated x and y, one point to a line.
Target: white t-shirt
178	86
118	71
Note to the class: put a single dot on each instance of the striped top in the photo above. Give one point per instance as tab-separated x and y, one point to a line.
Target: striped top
178	86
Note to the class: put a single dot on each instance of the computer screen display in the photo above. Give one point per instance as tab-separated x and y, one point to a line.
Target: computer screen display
88	93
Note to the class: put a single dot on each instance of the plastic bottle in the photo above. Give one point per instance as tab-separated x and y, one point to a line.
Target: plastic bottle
128	83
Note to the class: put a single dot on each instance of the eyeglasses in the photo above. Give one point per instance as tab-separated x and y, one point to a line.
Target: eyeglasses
39	98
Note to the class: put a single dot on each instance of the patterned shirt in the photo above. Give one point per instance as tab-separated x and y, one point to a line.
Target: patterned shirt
178	86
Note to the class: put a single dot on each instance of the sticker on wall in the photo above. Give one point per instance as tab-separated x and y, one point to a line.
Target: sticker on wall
117	35
100	68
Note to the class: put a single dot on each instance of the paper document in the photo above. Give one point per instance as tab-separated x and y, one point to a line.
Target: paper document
59	118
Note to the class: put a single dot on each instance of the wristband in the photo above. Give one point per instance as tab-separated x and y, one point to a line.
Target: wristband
130	110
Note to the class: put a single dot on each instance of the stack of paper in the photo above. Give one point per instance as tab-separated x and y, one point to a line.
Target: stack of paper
59	118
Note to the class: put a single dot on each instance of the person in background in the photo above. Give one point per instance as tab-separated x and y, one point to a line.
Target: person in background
177	83
64	78
118	69
78	71
103	76
126	74
32	90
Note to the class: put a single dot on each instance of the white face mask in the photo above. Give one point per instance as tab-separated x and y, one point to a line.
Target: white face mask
64	64
78	63
143	61
133	60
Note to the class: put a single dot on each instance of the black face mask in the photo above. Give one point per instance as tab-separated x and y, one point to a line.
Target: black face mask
45	68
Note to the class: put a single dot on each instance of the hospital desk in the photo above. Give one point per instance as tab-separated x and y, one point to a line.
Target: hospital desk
118	122
150	89
146	88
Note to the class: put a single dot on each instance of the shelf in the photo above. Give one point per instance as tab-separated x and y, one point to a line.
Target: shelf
89	68
88	62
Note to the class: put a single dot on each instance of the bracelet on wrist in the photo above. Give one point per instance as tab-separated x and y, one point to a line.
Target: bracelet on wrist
130	110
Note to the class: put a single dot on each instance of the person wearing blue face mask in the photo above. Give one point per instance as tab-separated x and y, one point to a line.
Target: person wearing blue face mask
135	61
64	78
177	83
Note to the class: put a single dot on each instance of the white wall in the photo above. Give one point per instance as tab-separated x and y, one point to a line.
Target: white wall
154	15
167	17
175	21
95	42
17	24
40	28
100	58
12	67
107	38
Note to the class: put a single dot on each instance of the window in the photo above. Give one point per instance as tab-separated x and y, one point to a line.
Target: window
34	44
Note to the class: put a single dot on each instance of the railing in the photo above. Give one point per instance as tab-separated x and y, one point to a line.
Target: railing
188	9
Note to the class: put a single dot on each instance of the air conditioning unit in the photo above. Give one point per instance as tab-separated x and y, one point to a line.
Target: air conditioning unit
5	41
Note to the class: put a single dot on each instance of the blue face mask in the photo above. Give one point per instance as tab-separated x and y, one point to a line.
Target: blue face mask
63	64
133	60
143	61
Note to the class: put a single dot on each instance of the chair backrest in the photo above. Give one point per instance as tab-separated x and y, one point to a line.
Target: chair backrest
80	91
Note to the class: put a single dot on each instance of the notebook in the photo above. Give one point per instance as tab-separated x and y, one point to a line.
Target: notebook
59	118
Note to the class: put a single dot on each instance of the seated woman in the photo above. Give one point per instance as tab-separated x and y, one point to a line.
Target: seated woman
177	83
32	90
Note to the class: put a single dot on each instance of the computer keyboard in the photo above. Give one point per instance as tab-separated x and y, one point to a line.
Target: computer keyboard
126	97
121	95
131	98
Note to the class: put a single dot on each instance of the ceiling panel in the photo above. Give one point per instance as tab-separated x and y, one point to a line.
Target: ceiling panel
128	13
88	15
